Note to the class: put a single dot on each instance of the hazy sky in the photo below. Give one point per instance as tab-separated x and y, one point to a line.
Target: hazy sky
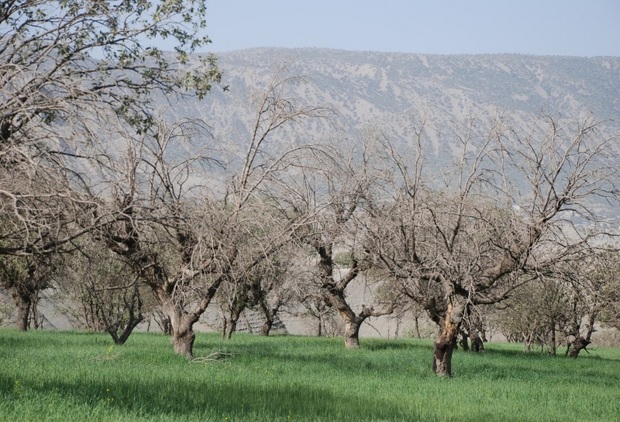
545	27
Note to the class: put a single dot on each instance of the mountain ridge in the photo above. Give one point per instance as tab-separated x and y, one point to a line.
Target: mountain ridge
397	82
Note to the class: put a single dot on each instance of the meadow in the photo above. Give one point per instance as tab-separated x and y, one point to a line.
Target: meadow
75	376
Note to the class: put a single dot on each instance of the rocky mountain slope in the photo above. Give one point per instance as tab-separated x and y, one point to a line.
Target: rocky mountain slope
367	88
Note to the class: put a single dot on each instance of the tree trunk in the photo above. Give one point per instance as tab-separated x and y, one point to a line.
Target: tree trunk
266	327
464	341
351	333
442	354
581	343
445	343
416	323
477	344
183	341
231	327
270	316
24	304
182	333
553	343
577	346
231	324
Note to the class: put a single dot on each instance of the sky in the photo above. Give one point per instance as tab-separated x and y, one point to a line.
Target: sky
541	27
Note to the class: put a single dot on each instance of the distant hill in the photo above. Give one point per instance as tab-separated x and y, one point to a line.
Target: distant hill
371	87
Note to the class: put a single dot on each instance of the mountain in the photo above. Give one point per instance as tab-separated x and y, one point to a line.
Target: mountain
369	87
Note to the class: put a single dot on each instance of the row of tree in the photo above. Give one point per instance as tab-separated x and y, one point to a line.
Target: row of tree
105	192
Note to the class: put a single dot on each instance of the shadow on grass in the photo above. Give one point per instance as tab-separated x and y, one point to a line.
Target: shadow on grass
234	400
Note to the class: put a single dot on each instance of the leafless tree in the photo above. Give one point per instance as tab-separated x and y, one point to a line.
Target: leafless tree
499	213
185	230
333	189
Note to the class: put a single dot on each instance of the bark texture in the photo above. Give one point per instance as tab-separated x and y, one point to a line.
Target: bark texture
446	341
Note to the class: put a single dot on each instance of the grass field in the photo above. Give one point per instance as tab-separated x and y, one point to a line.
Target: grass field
66	376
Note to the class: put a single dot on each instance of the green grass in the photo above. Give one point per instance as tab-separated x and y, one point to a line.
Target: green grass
79	376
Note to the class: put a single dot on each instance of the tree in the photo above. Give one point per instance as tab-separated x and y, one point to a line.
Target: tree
264	287
564	304
591	281
537	313
184	230
503	213
334	193
24	277
66	69
99	291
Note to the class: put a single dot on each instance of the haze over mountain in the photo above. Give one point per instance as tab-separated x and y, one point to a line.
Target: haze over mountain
368	88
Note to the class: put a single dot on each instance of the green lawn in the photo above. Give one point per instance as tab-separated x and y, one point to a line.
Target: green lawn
68	376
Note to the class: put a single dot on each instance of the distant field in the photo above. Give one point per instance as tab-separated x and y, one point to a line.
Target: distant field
66	376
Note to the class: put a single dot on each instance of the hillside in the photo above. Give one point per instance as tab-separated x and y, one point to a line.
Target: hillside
366	88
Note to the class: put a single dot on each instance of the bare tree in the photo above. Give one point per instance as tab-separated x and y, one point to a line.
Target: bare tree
501	214
184	238
333	189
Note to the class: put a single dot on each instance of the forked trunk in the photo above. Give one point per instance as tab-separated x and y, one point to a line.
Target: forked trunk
270	316
231	323
352	333
445	343
581	343
231	327
577	346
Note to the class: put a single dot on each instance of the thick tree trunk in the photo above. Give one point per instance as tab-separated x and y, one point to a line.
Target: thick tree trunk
577	346
442	354
445	343
581	343
183	335
183	341
352	333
